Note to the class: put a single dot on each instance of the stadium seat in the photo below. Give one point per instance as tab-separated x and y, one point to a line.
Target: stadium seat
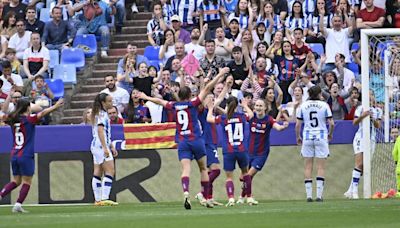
65	72
87	42
45	15
152	52
354	68
54	58
355	47
318	48
57	87
74	56
155	63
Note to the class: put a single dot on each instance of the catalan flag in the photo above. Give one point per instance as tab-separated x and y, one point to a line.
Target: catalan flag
150	136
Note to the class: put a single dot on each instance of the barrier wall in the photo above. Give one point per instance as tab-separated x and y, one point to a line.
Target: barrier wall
64	169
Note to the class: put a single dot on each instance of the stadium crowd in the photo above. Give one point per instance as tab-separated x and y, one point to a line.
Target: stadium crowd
275	50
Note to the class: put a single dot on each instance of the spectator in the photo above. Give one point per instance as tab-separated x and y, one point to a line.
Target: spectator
131	49
311	69
114	116
251	87
393	13
98	24
336	102
196	37
9	79
41	93
120	96
243	14
179	54
125	77
352	103
248	41
211	63
377	80
223	46
296	20
395	113
17	7
156	26
143	82
137	113
345	10
264	71
9	28
232	32
3	47
300	49
261	33
280	8
179	32
304	83
229	5
337	39
371	16
297	99
120	13
36	58
21	40
168	48
273	103
167	11
86	116
262	49
345	76
328	78
58	34
314	33
33	24
15	63
186	13
271	20
276	46
2	94
239	67
210	11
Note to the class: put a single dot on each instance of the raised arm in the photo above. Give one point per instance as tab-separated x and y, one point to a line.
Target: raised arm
210	115
203	93
51	109
246	108
279	127
153	99
321	22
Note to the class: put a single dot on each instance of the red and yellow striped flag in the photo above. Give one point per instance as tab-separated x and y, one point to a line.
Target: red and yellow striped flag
150	136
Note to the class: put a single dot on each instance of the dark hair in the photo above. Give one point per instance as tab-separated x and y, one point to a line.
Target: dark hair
7	17
207	2
22	106
184	93
314	93
231	103
56	7
165	35
329	72
6	64
291	48
20	20
209	41
316	11
258	45
35	33
247	94
237	10
236	49
301	88
30	8
130	115
155	3
152	67
38	76
131	43
97	105
298	29
1	83
301	9
115	107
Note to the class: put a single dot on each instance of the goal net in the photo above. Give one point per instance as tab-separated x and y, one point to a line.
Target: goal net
380	61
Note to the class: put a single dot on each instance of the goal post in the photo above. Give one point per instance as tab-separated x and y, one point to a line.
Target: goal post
374	47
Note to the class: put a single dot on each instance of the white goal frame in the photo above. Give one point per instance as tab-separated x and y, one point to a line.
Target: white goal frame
365	69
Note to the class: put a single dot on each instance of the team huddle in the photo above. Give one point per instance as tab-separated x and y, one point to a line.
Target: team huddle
197	118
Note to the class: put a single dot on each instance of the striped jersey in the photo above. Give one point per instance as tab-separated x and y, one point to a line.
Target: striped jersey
243	20
188	126
185	9
313	22
210	11
24	136
260	130
230	5
286	67
278	25
314	114
101	120
233	132
374	113
209	129
293	22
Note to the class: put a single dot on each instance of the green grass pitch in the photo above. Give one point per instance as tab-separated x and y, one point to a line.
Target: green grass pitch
331	213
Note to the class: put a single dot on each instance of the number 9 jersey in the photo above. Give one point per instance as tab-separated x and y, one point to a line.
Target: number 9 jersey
314	113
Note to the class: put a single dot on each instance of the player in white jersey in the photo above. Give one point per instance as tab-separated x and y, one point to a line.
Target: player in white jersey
314	113
376	116
102	150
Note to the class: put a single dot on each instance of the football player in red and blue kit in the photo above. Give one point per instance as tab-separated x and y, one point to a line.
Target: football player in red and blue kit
23	124
189	134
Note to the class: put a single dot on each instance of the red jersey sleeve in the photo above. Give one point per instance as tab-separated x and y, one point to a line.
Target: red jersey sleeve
271	121
196	101
170	105
33	119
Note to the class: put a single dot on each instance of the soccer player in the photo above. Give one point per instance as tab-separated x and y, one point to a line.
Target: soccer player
22	124
314	113
359	115
260	128
102	150
234	146
396	157
189	134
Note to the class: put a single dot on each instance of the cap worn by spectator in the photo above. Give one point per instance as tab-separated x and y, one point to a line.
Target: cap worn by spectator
234	19
175	18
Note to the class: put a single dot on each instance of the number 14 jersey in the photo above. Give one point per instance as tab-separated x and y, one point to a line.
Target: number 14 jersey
314	114
233	132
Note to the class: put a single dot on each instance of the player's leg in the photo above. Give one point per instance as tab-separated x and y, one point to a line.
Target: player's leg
356	175
398	179
229	167
199	153
321	154
15	182
185	165
23	193
98	159
307	151
243	161
109	172
213	168
357	172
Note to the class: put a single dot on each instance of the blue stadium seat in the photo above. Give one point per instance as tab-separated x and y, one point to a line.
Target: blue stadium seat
65	72
354	67
54	58
57	87
88	44
151	52
73	56
45	15
355	47
155	63
318	48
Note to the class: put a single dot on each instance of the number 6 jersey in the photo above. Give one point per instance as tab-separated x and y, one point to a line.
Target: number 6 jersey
24	136
314	113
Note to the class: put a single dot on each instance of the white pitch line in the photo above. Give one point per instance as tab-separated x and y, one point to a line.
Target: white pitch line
50	205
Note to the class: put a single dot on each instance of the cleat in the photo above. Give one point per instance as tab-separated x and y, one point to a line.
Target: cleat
309	200
201	199
348	194
251	201
391	193
377	195
108	203
355	195
209	204
231	202
186	203
18	209
98	203
240	200
216	203
384	195
319	200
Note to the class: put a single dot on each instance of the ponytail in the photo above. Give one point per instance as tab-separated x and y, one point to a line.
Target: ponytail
97	105
22	107
232	103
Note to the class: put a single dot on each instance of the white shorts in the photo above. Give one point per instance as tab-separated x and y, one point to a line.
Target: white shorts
99	157
317	148
357	145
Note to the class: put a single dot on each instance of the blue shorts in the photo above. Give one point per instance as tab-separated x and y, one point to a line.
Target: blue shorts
23	166
191	149
212	154
258	162
230	159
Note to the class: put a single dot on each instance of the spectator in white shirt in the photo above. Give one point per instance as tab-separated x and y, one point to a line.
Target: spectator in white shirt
21	40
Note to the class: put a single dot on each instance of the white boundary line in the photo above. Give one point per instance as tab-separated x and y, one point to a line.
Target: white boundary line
51	205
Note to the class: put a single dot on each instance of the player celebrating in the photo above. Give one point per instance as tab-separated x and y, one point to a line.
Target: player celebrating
315	113
189	134
234	146
102	150
359	115
22	124
260	127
